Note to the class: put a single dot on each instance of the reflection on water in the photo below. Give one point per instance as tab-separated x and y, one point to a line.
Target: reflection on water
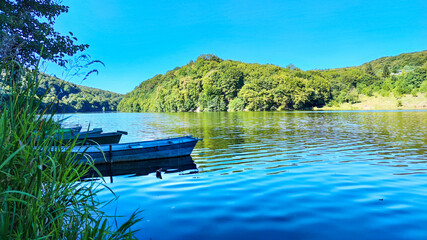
181	165
280	175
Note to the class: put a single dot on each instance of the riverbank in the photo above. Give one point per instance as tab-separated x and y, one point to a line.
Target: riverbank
378	102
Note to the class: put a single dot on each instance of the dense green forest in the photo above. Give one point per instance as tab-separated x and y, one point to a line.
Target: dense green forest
213	84
68	97
76	98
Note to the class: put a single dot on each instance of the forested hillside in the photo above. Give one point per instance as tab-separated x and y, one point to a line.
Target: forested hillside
213	84
76	98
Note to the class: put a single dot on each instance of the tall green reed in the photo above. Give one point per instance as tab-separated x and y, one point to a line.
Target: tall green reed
41	192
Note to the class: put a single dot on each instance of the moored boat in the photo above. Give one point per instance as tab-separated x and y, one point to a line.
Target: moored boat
66	131
136	151
93	137
74	129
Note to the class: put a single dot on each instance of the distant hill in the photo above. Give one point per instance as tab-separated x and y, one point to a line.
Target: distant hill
214	84
76	98
407	61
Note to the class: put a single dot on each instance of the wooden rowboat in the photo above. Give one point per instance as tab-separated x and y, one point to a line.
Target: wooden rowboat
93	137
136	151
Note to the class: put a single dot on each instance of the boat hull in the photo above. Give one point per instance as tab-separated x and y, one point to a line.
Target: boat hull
137	151
94	138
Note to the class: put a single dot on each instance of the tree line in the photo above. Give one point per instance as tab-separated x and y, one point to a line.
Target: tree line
214	84
76	98
69	97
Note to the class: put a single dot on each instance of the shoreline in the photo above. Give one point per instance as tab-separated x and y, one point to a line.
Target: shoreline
378	102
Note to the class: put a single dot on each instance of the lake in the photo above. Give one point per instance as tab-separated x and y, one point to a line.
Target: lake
277	175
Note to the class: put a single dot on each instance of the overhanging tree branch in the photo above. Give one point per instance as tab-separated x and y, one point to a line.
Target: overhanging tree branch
27	25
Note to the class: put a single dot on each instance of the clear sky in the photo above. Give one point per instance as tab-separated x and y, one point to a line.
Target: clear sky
139	39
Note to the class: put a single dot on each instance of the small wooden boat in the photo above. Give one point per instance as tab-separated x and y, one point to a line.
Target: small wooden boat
74	129
136	151
93	137
69	130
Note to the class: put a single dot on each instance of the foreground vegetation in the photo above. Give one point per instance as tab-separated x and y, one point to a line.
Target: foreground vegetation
41	192
213	84
42	195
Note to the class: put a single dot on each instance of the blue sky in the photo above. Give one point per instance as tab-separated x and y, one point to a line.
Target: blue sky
139	39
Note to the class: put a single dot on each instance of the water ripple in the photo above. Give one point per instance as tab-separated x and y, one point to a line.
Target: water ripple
281	175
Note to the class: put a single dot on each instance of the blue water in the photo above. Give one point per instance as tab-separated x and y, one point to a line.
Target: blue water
278	175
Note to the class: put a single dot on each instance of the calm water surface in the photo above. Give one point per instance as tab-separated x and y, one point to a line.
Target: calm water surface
278	175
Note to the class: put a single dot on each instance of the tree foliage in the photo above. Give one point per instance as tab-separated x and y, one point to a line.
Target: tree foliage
76	98
69	97
26	27
213	84
27	34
